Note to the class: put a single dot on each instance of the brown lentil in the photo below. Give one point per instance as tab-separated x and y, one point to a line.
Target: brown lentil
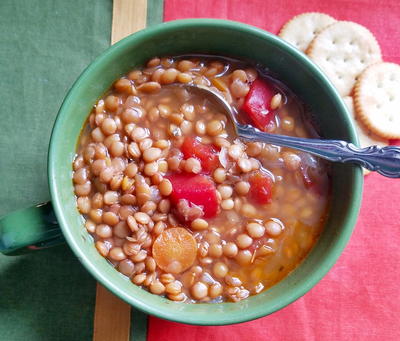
192	165
199	290
255	230
199	224
173	288
219	175
273	228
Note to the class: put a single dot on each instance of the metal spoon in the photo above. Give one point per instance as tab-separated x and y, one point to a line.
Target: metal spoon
385	161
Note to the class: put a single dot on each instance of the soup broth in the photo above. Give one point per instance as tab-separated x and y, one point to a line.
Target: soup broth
180	205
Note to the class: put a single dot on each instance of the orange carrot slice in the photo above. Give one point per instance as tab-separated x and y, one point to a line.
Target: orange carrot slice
175	250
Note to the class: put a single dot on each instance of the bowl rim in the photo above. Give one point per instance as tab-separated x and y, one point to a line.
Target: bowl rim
323	267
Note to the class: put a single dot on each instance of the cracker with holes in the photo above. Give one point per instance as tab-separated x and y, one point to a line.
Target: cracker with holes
343	50
366	137
377	99
302	29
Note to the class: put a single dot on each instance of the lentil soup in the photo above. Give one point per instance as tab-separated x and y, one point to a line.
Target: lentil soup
177	203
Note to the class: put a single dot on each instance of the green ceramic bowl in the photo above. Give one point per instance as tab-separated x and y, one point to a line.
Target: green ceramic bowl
220	38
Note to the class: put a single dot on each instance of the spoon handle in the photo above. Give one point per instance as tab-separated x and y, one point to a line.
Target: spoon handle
385	160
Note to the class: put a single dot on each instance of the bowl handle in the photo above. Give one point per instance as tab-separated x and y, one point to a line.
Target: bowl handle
29	229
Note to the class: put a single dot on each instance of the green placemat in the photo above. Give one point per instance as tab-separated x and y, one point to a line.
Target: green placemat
45	45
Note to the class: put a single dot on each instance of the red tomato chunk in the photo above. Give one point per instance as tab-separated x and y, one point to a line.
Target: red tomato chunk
207	154
257	104
260	188
197	190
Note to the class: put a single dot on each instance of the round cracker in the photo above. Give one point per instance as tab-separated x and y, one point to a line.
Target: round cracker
365	136
377	99
343	50
303	28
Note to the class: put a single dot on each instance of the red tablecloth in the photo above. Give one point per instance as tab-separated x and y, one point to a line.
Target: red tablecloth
359	299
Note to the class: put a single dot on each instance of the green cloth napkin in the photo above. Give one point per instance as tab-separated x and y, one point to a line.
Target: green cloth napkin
44	46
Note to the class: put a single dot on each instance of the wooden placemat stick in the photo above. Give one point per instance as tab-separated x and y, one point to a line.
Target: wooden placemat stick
112	315
129	16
